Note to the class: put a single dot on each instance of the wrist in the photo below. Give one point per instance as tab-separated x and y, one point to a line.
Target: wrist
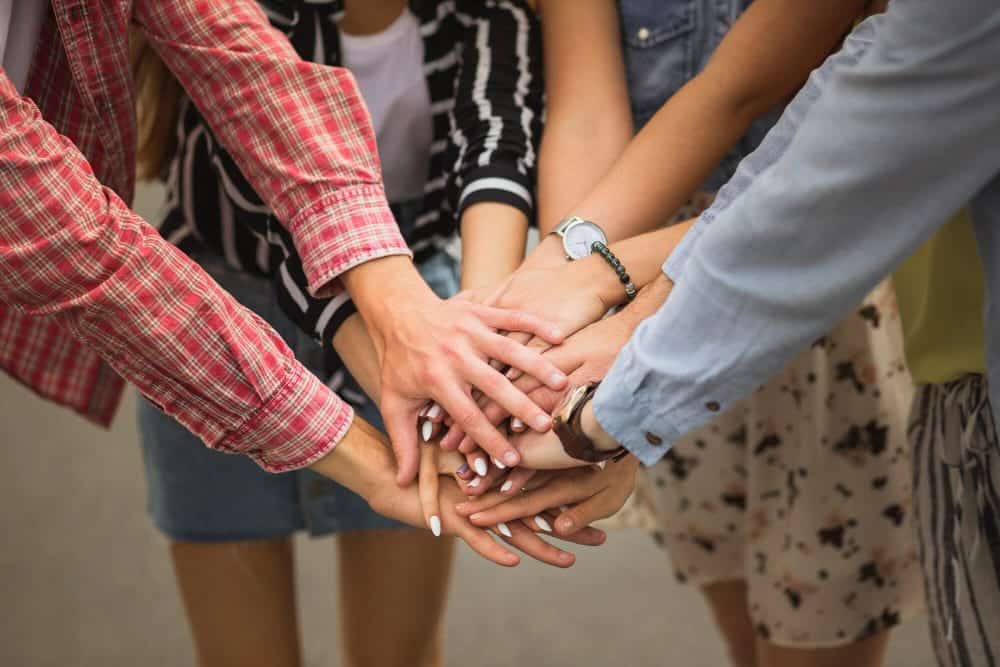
361	461
379	287
548	253
592	428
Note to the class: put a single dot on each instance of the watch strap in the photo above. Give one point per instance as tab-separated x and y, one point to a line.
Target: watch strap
574	441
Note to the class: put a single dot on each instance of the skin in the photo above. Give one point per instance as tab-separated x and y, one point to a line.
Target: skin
750	73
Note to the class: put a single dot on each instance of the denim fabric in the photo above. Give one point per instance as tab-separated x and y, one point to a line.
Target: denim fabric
199	494
885	142
666	43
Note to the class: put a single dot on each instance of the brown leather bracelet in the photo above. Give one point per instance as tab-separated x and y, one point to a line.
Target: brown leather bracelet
570	432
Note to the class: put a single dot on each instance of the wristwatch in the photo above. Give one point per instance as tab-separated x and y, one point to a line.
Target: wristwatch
578	236
566	426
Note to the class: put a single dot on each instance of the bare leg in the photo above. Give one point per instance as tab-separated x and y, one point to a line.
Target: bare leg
240	601
728	603
865	653
393	587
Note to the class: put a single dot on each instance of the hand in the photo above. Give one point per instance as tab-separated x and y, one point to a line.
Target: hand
582	496
586	356
434	349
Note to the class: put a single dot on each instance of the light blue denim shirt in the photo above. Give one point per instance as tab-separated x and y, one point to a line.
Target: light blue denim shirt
888	138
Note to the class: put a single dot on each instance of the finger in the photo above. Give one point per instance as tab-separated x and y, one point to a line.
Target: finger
533	342
531	361
595	508
483	483
532	545
428	488
452	439
428	429
449	463
517	320
562	490
400	423
588	537
497	496
435	413
519	478
470	418
481	542
503	392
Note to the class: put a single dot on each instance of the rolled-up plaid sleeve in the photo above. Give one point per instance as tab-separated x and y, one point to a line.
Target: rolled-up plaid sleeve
73	253
299	131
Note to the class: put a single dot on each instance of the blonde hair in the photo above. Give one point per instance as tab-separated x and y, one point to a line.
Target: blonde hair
158	96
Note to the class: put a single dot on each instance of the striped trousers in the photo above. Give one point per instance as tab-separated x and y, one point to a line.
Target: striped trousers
956	486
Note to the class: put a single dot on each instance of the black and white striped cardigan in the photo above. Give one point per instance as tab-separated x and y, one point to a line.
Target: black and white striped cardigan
482	62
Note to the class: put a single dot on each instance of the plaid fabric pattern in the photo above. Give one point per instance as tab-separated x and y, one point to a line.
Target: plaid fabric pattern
85	281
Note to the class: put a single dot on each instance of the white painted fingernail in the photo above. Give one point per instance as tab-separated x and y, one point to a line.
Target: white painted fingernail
426	430
480	467
436	525
543	524
434	412
601	464
506	486
563	508
516	424
504	530
498	463
423	411
475	482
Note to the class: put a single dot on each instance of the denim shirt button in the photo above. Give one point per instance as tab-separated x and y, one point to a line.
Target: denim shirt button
642	34
713	406
653	439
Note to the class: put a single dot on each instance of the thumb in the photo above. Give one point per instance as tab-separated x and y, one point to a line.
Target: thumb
401	425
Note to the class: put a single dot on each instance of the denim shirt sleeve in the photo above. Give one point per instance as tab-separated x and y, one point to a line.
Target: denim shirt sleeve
885	141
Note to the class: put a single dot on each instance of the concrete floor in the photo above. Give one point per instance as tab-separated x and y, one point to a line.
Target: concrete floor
86	581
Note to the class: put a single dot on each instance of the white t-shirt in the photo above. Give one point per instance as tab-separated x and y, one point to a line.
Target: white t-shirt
389	69
20	23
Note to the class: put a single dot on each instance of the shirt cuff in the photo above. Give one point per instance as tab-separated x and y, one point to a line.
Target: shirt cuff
350	227
301	423
626	413
497	184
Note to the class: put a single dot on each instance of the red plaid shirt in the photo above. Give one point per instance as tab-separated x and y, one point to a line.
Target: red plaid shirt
87	286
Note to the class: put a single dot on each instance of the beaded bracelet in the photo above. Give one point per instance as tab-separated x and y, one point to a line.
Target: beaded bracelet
609	257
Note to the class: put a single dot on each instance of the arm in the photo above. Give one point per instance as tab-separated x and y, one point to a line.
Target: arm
750	73
883	143
586	97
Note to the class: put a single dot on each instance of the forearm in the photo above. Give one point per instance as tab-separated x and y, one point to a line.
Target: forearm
362	461
586	97
356	349
749	74
814	227
493	243
642	257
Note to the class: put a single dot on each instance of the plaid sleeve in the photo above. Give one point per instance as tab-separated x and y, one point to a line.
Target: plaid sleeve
496	122
299	131
73	253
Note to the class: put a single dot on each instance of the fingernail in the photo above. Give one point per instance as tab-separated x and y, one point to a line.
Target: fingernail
510	373
434	412
480	467
474	483
516	424
506	486
423	411
461	506
565	524
504	530
510	458
557	378
462	469
601	464
543	524
476	516
498	463
436	525
426	430
565	557
563	508
541	422
555	332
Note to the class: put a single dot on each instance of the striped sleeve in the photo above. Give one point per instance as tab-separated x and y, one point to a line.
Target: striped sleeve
497	117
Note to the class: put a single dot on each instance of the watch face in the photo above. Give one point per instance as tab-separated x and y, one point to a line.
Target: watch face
579	238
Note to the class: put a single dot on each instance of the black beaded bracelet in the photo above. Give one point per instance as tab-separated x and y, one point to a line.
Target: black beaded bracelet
609	257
